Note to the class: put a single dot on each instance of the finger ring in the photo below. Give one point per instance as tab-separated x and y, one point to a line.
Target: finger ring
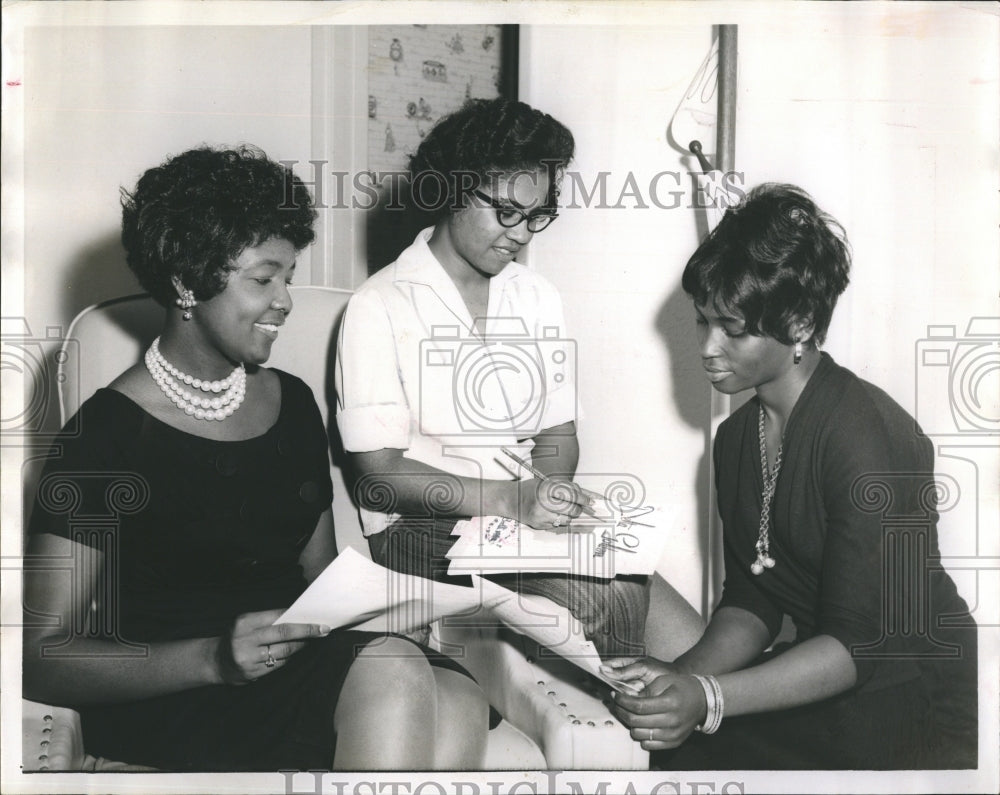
558	521
269	662
650	734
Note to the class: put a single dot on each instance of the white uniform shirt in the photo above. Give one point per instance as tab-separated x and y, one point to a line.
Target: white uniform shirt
412	374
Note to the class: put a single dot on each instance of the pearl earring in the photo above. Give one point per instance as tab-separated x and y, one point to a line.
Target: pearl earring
185	302
797	356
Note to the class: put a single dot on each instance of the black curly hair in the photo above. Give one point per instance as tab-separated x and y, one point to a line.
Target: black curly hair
775	258
192	216
483	139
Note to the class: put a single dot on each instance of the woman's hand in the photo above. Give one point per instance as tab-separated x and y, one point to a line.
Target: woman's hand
551	504
255	646
665	713
637	672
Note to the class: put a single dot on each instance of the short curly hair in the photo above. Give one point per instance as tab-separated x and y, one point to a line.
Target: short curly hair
192	216
484	138
775	258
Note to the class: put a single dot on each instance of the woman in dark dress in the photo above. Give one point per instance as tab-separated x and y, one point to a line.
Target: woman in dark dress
195	508
826	493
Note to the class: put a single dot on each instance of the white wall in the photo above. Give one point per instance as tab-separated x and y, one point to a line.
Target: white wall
103	104
887	116
646	403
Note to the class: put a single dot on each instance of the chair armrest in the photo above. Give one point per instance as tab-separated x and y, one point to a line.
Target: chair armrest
51	738
551	700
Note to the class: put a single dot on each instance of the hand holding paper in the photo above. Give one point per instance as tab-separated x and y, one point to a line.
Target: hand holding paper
357	593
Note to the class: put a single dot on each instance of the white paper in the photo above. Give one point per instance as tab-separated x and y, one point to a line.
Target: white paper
353	589
615	542
355	592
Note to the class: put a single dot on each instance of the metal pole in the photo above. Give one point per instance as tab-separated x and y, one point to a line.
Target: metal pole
720	405
726	129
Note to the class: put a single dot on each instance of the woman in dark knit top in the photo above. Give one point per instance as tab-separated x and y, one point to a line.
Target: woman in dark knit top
826	493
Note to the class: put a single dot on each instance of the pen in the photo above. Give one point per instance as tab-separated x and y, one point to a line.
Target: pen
542	476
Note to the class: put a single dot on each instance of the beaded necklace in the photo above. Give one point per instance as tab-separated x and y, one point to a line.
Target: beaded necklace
764	559
222	398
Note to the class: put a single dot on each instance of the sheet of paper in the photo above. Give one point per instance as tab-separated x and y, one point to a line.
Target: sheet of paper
548	624
353	589
615	542
355	592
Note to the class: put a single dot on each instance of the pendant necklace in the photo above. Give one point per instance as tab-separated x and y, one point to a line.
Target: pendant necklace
764	559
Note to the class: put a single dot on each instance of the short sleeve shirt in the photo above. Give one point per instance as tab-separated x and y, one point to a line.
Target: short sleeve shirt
413	374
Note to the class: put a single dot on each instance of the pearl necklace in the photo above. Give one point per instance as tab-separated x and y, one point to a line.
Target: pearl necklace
764	559
222	397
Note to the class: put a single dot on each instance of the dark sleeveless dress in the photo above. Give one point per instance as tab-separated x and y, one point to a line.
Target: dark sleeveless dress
193	533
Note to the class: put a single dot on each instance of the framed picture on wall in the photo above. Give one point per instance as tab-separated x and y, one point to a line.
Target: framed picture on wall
418	74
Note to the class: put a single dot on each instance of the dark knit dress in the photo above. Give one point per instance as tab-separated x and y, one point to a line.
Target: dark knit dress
854	536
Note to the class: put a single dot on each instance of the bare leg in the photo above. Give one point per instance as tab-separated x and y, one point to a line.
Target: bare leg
462	725
386	716
672	626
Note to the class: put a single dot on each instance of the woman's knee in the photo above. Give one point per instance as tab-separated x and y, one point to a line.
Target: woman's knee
462	721
399	655
672	624
394	668
460	694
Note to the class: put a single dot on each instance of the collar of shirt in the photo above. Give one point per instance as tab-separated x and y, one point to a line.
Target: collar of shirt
418	265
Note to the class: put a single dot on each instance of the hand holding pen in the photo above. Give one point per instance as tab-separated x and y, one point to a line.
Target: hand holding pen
555	502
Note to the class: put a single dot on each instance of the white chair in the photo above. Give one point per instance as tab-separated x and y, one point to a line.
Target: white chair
552	719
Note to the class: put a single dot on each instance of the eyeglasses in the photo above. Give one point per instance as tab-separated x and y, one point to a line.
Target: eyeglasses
509	216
